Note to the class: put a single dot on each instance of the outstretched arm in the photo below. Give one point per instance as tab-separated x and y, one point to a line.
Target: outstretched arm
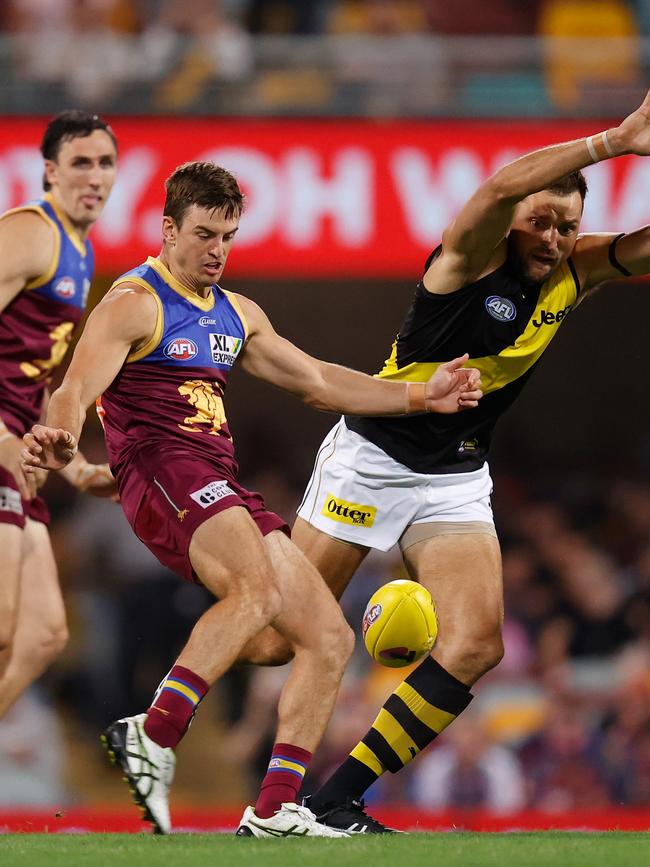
124	319
473	239
332	388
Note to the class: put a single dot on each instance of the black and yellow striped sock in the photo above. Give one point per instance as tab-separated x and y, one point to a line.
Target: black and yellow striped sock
418	710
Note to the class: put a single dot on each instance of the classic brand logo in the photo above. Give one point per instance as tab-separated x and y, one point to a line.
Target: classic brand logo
181	349
205	321
371	614
224	348
547	317
65	288
211	493
349	513
501	309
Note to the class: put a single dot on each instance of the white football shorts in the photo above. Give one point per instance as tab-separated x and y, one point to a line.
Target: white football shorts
359	494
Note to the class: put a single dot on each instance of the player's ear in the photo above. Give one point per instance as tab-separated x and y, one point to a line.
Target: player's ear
169	230
49	173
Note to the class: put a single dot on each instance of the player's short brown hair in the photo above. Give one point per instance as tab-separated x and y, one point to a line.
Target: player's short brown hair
574	181
206	185
69	124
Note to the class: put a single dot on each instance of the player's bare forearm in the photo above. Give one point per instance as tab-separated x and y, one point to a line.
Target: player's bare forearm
66	409
341	390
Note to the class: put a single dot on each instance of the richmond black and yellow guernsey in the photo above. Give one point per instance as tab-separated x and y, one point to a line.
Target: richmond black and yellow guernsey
505	326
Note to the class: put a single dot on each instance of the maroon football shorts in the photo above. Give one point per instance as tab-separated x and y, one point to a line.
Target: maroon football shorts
167	496
13	509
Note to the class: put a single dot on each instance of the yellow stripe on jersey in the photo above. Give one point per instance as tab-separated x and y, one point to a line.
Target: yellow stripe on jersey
399	740
515	360
366	756
156	337
68	228
429	714
237	307
56	252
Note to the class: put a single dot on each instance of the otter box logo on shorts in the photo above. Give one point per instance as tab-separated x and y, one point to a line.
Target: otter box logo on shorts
10	501
349	513
211	493
224	348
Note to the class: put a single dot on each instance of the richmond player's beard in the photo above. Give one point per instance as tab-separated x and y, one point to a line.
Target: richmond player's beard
518	268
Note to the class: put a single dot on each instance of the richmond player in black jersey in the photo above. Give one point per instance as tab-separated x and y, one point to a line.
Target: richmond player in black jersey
510	268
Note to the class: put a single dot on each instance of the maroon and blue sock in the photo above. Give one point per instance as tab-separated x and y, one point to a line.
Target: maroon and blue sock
174	705
283	779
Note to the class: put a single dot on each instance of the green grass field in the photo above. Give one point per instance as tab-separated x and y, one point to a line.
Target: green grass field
560	849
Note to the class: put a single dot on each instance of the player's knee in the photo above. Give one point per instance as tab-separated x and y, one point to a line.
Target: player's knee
52	641
262	606
480	655
336	643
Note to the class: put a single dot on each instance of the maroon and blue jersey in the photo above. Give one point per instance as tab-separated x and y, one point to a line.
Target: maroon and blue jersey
37	326
168	396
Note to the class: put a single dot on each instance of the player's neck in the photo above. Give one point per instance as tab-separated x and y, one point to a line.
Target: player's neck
186	280
81	230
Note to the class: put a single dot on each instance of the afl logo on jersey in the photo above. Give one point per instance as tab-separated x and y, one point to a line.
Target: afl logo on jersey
500	308
66	287
181	349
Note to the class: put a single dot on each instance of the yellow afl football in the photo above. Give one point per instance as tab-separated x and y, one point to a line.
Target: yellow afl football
400	623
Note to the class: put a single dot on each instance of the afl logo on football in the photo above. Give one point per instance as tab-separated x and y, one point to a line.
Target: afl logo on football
500	308
66	287
369	617
181	349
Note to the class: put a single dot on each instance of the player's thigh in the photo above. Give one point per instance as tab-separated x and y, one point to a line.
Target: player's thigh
10	559
228	554
336	561
41	610
463	574
309	612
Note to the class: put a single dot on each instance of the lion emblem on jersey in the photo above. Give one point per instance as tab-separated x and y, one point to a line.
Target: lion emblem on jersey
209	414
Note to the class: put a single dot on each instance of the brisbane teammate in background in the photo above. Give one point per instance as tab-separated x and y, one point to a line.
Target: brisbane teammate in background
46	266
159	348
510	268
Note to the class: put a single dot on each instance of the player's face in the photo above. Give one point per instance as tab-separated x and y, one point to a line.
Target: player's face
544	232
201	244
82	176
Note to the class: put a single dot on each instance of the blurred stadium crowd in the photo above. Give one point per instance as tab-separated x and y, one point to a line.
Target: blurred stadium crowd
345	57
562	723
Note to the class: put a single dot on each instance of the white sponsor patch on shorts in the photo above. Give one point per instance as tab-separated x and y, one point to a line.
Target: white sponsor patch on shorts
211	493
10	501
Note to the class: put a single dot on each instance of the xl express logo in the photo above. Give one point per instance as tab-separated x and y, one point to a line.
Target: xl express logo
181	349
224	348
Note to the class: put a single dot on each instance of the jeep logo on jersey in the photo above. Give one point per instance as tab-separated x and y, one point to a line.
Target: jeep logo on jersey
500	308
547	317
224	348
181	349
65	287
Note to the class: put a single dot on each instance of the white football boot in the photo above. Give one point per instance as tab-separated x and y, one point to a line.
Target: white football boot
148	768
291	820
